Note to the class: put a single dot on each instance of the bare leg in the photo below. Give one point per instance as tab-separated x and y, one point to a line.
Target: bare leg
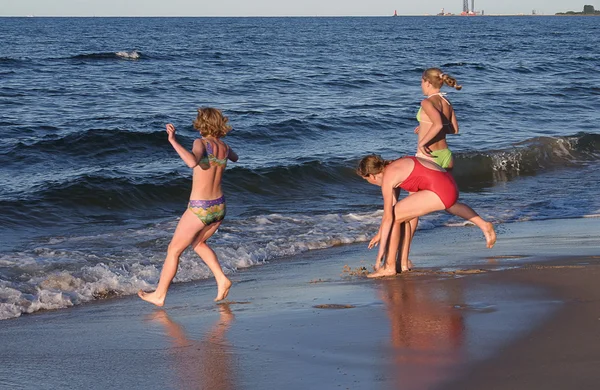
466	212
188	227
394	245
413	228
210	258
407	235
401	245
413	206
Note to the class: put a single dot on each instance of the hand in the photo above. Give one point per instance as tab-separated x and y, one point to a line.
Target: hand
417	129
171	132
374	241
424	150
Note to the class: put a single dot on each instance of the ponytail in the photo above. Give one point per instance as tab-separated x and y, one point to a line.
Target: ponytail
437	78
450	81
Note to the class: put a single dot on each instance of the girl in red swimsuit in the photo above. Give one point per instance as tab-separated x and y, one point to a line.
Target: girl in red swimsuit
432	189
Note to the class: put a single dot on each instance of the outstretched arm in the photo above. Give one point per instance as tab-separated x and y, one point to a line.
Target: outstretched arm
190	159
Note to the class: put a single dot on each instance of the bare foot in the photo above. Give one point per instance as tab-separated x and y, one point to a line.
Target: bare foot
382	272
152	298
490	235
410	267
223	289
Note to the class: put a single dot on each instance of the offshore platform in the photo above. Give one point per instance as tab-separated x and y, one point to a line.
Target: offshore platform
472	11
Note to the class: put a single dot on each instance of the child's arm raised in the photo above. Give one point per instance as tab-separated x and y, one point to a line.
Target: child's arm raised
190	159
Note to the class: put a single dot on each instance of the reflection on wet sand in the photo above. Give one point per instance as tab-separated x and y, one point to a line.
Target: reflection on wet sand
205	364
426	331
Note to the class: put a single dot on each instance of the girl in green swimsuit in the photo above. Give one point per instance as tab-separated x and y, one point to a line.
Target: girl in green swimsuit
206	208
436	119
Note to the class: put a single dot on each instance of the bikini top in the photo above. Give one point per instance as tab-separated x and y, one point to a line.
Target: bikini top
440	94
209	157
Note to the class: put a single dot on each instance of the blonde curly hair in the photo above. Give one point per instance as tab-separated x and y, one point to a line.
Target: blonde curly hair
211	122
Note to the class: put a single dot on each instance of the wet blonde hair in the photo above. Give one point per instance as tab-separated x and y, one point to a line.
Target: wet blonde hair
371	165
437	78
211	122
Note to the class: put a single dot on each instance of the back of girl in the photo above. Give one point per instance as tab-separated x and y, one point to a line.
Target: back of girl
212	154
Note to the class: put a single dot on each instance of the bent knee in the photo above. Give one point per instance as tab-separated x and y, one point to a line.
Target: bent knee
175	250
401	216
397	222
201	245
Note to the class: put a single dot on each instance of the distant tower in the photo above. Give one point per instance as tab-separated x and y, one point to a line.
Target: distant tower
473	6
466	6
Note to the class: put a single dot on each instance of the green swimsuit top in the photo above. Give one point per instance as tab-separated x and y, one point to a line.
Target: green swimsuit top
419	114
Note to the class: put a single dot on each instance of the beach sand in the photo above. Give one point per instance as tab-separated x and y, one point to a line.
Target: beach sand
524	315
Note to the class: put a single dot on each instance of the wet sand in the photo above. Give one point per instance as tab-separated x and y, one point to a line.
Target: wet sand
561	353
525	315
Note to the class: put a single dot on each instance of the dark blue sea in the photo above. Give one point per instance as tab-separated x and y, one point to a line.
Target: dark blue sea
91	190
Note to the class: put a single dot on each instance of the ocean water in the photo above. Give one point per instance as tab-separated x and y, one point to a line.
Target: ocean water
91	189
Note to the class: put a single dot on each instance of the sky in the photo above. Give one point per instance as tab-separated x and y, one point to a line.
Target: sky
278	7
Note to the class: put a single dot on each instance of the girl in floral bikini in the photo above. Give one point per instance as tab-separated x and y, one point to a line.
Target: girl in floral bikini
206	208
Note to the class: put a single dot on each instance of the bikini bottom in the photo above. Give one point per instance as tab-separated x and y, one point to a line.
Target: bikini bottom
208	211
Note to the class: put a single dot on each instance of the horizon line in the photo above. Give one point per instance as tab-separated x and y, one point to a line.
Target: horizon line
275	16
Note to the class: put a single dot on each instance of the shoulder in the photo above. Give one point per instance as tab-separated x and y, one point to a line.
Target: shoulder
401	168
404	163
426	103
402	160
397	165
200	142
198	145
